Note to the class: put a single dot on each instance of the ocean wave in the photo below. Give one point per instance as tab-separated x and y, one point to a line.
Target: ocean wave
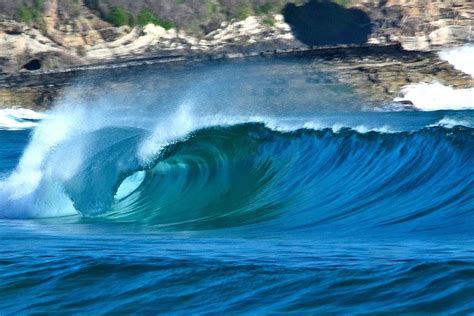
449	122
18	119
248	174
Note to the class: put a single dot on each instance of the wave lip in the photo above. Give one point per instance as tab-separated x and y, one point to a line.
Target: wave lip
449	122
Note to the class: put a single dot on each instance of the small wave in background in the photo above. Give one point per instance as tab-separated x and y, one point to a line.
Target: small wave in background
17	119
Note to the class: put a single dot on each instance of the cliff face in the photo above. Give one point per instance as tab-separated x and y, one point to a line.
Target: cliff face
421	24
58	49
70	33
376	72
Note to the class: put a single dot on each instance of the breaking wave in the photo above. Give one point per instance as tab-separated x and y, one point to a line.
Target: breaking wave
436	96
186	175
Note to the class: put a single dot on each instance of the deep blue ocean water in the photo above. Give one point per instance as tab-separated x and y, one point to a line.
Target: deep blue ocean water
113	209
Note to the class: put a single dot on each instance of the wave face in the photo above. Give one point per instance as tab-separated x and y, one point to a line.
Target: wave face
230	176
307	180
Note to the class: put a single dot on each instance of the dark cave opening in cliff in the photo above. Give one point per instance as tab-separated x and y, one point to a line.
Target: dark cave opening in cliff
33	64
322	22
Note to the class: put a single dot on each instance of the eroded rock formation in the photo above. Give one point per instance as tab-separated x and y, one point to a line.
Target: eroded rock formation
65	38
421	24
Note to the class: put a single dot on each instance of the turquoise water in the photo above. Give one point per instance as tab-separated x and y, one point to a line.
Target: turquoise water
104	209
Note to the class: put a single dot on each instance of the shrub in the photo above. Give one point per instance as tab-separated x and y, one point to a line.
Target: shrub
145	17
25	14
269	20
344	3
118	17
212	7
29	14
243	11
264	9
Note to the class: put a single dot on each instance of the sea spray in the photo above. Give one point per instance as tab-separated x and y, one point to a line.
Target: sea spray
460	57
436	96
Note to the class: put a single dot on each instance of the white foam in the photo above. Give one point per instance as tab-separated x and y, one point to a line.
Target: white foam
462	58
34	188
30	190
18	119
436	96
451	122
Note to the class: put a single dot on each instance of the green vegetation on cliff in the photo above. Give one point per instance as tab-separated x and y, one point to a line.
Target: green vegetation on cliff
118	16
146	17
197	17
29	13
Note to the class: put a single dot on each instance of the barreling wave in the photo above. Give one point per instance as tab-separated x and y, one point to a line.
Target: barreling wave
248	175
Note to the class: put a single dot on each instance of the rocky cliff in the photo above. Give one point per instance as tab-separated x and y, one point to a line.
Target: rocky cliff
377	72
89	40
421	24
39	58
64	36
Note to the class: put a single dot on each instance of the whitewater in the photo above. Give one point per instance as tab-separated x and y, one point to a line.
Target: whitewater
198	191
